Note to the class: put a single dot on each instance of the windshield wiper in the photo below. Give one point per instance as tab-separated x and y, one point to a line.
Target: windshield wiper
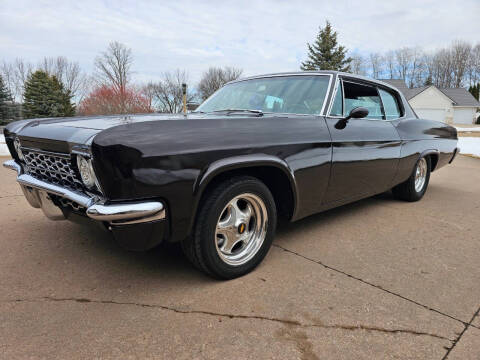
229	111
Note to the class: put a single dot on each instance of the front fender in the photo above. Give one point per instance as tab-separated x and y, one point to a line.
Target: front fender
251	161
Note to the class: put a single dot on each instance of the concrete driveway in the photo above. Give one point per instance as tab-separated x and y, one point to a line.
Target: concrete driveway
378	279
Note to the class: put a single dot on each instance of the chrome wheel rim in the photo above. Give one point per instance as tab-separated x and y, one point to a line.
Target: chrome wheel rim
420	174
241	229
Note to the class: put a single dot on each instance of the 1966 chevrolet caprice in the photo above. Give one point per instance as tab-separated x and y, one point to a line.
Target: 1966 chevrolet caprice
266	147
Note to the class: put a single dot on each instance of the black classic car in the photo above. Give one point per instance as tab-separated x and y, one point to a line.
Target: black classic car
279	146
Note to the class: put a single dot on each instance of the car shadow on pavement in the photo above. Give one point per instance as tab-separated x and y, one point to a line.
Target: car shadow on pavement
291	229
167	261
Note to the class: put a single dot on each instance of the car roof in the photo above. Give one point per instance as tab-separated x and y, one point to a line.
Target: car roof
317	72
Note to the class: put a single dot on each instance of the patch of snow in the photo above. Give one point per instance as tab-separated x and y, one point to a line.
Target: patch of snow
3	147
469	145
470	129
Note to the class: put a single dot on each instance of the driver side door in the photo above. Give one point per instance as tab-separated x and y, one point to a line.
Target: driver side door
366	152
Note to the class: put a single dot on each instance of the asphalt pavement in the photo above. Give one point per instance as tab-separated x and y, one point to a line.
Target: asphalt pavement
377	279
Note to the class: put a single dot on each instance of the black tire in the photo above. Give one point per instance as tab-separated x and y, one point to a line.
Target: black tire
406	191
201	247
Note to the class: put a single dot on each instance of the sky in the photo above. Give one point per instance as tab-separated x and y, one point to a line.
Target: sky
257	36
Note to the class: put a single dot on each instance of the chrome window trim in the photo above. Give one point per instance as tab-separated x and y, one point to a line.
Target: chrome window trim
332	99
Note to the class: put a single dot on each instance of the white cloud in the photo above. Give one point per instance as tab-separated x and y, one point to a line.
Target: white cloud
258	36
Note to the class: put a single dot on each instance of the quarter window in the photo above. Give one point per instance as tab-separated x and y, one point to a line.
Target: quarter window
390	105
337	106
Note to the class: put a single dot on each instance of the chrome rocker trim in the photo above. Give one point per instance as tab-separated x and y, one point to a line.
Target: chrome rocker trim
115	214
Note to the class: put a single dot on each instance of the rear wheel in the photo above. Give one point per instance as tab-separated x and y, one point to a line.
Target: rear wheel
416	185
234	228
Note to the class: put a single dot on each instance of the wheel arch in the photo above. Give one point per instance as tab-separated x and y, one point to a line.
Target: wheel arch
434	155
272	171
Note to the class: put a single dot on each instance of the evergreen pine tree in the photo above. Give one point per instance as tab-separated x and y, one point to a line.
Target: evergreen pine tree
428	81
63	99
325	53
475	90
37	97
6	103
45	96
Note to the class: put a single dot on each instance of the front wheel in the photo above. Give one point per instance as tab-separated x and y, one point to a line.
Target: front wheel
234	228
416	185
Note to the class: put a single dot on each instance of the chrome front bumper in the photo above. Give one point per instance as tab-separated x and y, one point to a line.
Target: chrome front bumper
36	192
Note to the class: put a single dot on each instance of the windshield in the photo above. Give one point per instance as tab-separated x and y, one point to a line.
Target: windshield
301	94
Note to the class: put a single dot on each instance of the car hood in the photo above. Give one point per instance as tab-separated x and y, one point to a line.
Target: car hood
60	134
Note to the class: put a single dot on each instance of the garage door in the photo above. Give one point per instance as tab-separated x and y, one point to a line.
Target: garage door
431	114
463	116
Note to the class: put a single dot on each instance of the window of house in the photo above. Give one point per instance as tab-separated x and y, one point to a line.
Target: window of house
362	95
390	105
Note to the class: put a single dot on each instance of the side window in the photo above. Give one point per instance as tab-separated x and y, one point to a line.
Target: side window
362	95
390	105
337	106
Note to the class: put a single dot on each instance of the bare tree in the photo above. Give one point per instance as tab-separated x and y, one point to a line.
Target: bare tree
474	65
68	73
8	75
414	72
375	60
453	66
389	59
113	66
461	52
23	70
357	66
214	78
403	58
148	91
167	93
15	74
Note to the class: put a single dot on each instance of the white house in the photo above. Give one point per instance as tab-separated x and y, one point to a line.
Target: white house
450	105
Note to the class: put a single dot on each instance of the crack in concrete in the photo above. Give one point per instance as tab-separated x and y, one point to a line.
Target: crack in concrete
371	284
467	325
238	316
9	196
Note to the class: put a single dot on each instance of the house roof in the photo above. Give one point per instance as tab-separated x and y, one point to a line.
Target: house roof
415	91
459	96
404	89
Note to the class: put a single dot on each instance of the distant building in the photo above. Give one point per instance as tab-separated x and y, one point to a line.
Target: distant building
192	106
450	105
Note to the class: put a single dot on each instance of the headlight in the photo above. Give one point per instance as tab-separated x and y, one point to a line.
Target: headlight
86	171
17	146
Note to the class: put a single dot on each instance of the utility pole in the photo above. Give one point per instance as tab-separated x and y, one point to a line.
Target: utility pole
184	92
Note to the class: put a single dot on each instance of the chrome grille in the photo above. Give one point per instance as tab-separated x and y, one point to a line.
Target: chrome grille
51	167
69	204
